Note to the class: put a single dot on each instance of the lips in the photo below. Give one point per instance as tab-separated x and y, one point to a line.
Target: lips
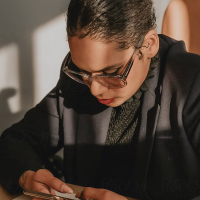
106	101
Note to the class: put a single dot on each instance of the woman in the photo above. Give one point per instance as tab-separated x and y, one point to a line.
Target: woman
125	109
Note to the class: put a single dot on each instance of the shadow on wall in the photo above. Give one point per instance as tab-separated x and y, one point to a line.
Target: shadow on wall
18	21
6	115
181	22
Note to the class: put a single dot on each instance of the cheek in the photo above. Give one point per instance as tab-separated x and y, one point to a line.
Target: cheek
136	77
122	92
132	86
133	83
134	80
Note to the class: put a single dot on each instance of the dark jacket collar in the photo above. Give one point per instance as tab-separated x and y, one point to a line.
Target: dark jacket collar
149	116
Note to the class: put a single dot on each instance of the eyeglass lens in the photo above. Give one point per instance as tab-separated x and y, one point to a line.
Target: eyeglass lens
111	82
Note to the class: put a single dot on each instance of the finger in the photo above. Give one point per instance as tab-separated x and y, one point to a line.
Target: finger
47	178
82	194
41	187
93	193
24	180
52	191
90	193
44	191
37	199
78	194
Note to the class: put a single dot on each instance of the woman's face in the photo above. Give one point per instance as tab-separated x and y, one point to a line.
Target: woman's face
93	56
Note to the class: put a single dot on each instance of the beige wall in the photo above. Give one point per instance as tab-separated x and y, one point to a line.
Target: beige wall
160	6
32	46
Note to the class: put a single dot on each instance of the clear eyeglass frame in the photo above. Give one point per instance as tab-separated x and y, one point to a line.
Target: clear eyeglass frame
111	81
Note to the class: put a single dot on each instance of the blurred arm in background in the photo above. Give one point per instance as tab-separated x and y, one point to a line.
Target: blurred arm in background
181	22
176	22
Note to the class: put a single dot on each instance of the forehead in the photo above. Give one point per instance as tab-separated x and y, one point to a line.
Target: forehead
91	44
92	55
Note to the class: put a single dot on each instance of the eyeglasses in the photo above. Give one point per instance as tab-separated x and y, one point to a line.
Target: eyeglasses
110	81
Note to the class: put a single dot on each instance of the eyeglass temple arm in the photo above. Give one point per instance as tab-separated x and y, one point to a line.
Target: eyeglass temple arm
126	72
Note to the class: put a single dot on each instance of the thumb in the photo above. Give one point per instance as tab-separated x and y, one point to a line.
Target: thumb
93	193
43	188
90	193
47	178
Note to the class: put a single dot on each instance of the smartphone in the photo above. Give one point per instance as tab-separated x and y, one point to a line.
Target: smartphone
44	195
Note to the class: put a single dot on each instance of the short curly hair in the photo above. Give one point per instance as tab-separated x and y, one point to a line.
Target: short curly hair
122	21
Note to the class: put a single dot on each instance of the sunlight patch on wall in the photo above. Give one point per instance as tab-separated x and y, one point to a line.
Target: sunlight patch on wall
49	49
160	7
9	77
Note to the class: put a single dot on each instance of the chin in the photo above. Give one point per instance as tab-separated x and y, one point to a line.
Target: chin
116	103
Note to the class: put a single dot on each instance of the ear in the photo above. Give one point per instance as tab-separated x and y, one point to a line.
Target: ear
151	42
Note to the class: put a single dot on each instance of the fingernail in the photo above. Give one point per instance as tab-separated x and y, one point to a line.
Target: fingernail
66	189
78	194
70	191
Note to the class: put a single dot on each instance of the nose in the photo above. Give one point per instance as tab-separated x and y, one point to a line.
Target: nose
97	89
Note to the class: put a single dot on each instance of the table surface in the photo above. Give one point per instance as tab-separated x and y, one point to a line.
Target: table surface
4	195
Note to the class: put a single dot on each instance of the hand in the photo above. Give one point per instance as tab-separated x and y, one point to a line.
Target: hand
99	194
42	181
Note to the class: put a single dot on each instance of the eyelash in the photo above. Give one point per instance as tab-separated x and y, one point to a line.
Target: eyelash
115	72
